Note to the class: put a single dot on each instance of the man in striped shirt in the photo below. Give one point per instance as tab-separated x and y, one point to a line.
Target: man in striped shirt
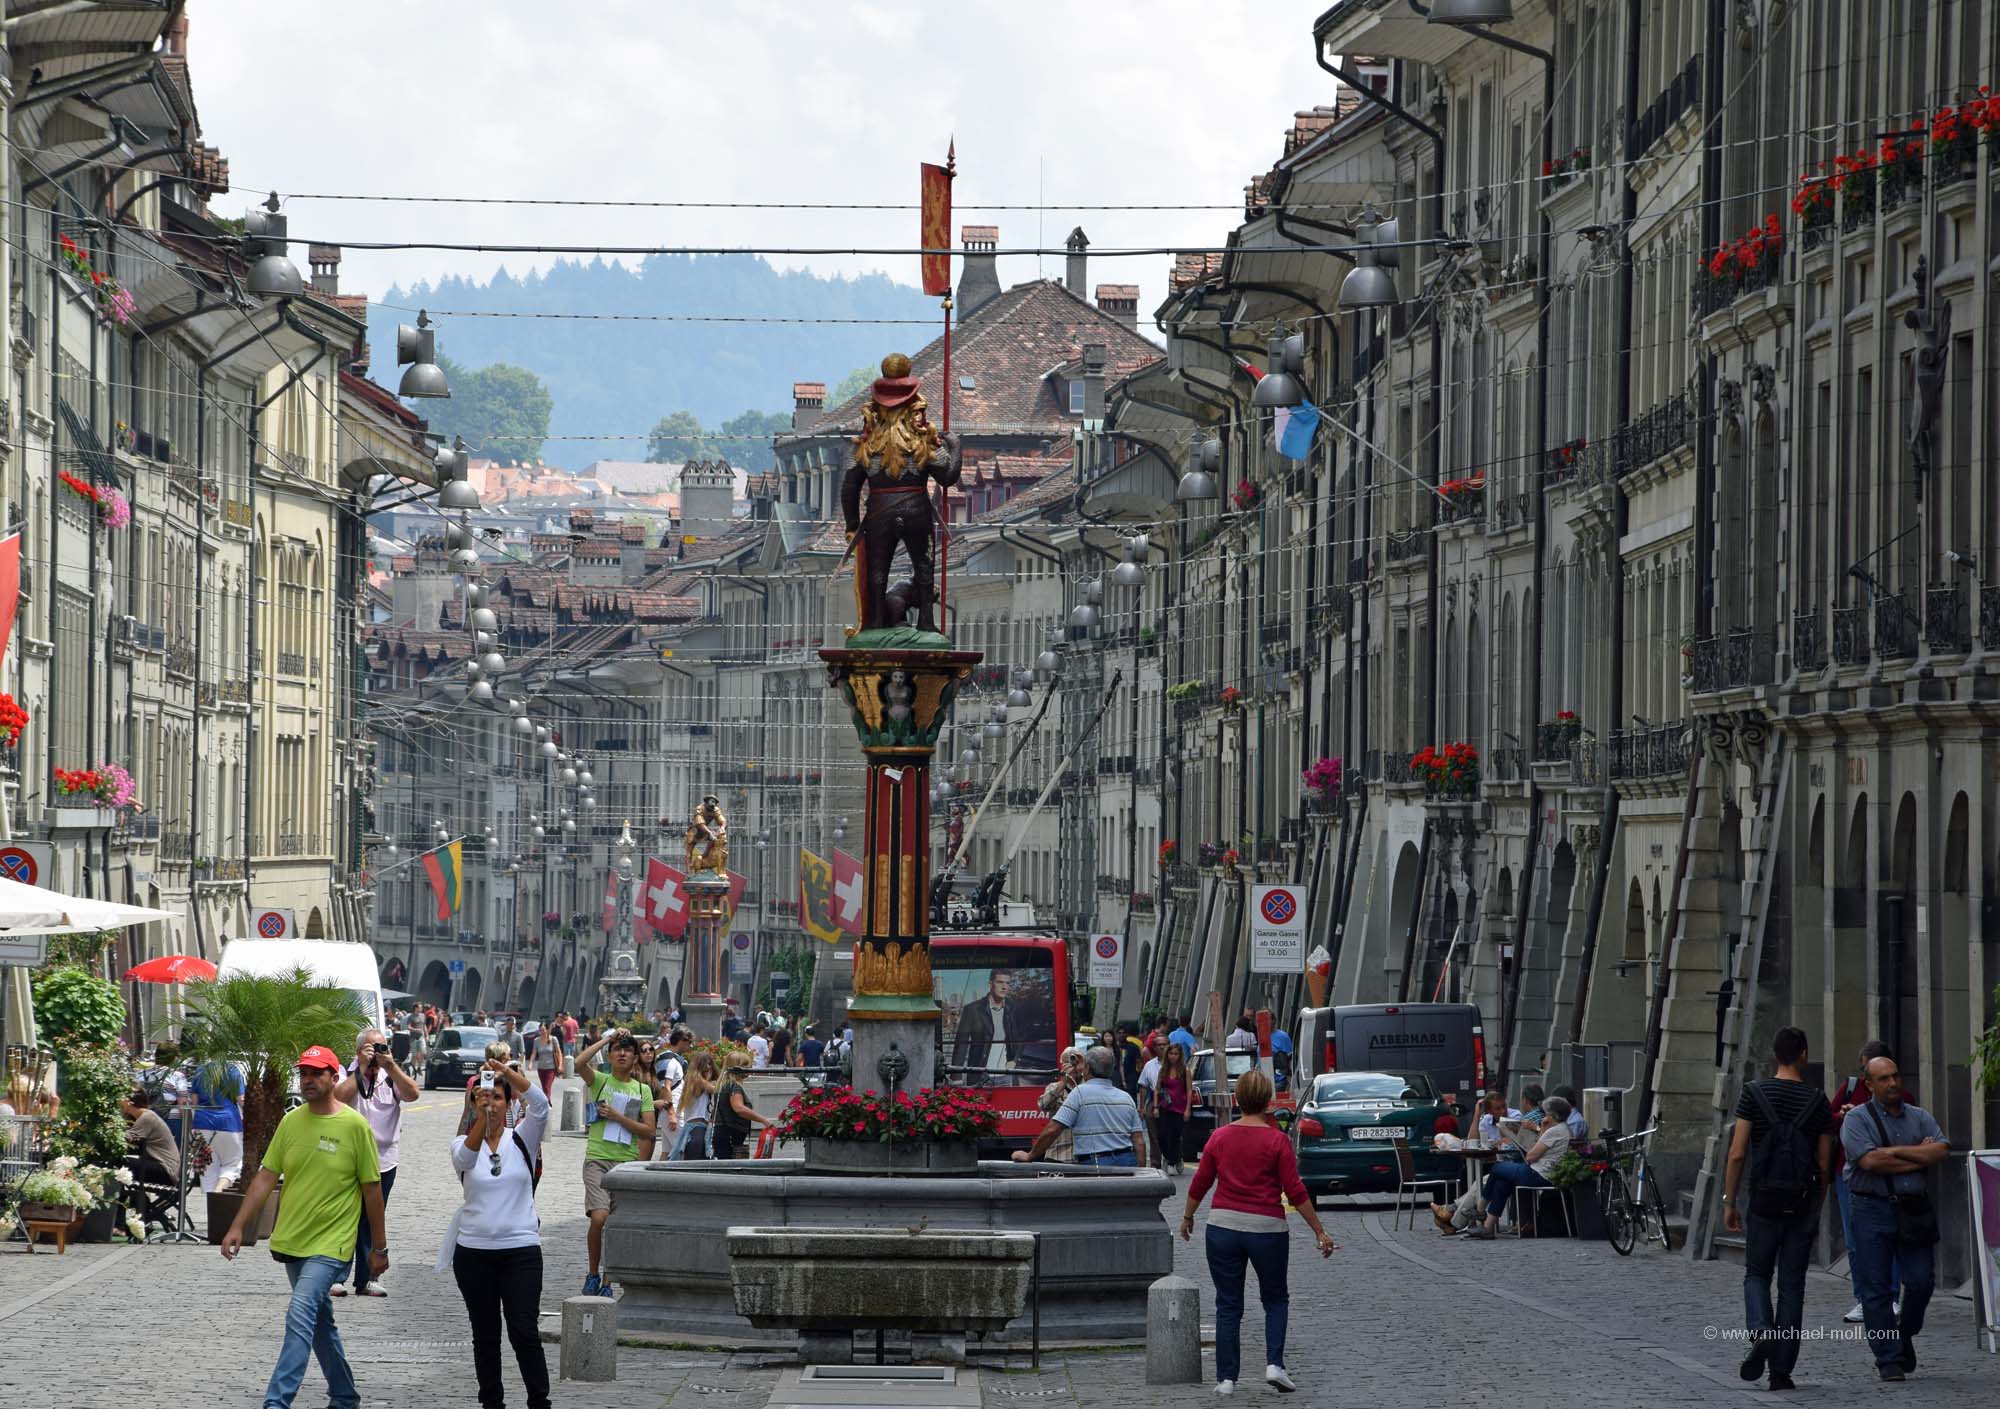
1103	1119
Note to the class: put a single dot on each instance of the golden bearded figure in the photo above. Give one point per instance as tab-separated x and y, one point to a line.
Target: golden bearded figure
707	841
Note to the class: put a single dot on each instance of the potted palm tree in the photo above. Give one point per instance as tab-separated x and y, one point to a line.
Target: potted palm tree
259	1026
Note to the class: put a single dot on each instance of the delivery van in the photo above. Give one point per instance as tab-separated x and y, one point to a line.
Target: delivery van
1444	1041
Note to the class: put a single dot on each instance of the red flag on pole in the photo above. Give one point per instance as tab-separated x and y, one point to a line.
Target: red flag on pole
737	884
935	237
10	586
848	892
665	900
609	918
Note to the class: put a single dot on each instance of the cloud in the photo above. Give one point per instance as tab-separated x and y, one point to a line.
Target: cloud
1166	101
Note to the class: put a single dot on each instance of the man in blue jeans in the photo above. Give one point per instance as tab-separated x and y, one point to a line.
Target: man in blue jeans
326	1153
1889	1145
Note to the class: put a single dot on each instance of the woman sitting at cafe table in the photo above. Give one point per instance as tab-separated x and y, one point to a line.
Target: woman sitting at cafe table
1551	1143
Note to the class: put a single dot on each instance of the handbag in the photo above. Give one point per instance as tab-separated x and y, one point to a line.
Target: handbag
1916	1215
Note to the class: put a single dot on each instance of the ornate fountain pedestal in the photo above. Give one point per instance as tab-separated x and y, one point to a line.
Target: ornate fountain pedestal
708	917
899	684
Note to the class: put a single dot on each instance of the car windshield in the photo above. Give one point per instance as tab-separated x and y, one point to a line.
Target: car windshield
472	1039
1371	1086
1237	1063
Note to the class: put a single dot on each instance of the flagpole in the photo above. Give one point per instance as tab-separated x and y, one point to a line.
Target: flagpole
944	490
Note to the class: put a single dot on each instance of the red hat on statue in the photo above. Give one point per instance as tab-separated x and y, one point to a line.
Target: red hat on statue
895	386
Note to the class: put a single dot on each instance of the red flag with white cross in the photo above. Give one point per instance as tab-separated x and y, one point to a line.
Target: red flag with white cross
848	892
665	900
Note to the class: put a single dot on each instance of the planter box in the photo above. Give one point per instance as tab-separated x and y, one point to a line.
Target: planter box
223	1208
825	1156
50	1213
77	817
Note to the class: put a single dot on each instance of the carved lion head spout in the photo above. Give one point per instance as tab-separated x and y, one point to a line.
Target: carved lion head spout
895	424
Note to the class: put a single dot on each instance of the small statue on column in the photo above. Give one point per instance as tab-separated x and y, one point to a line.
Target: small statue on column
707	841
896	456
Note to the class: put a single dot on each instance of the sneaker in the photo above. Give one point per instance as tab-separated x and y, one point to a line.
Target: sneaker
1892	1374
1225	1387
1480	1232
1276	1378
338	1289
593	1285
1854	1316
373	1289
1752	1367
1781	1382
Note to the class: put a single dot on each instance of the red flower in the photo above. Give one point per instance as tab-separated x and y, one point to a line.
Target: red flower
1548	168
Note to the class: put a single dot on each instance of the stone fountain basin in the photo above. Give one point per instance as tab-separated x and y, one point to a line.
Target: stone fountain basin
849	1279
668	1244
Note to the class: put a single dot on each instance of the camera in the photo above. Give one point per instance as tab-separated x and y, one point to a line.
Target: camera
380	1049
487	1080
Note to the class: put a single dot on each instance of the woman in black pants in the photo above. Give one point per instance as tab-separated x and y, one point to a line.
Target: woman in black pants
494	1244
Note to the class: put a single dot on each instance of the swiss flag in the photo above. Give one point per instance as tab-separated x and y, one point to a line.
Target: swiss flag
737	884
666	904
848	892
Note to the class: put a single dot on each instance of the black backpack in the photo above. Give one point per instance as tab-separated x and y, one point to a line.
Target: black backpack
1784	1173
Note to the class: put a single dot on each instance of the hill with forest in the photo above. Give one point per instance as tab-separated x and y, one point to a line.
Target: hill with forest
620	376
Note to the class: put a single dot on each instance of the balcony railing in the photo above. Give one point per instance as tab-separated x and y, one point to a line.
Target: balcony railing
1658	433
1665	110
1895	627
1396	768
1713	292
1850	635
1515	510
1747	658
1404	547
180	659
1944	619
1553	740
1657	752
291	663
1707	670
1989	618
176	846
1507	764
236	692
1808	642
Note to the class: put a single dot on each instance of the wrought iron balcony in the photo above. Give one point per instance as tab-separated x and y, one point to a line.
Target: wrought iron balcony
1808	642
180	659
291	663
1396	768
1507	764
1944	619
1708	670
1746	658
1658	751
1659	432
1850	635
1553	740
1989	618
1895	627
1404	547
1665	110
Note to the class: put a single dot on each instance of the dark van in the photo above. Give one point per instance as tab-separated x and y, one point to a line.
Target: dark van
1444	1041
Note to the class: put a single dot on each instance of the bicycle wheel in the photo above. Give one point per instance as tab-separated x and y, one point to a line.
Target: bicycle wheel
1656	1216
1617	1206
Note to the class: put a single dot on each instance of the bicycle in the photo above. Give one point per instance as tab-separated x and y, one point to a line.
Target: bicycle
1635	1209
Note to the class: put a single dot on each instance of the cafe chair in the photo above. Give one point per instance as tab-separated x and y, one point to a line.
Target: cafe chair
1534	1218
1407	1183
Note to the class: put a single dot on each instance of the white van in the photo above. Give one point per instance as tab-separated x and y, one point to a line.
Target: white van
332	963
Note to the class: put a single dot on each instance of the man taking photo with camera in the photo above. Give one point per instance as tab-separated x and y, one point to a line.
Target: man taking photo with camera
377	1086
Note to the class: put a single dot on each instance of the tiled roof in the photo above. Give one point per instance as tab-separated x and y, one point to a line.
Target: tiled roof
1191	269
1105	291
1056	489
1004	350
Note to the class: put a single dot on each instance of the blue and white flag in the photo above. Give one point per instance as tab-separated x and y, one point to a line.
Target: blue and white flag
1293	429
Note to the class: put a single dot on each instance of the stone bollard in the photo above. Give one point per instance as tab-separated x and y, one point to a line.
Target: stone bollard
589	1338
569	1095
1173	1332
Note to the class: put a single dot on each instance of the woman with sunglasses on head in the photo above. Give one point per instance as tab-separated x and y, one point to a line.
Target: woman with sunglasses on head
494	1244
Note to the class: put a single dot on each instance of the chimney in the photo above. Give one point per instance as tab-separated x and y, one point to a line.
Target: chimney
1121	301
177	36
807	399
979	279
1073	274
1093	381
325	262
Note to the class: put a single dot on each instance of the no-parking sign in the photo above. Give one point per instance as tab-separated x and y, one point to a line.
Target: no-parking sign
1277	930
26	862
741	970
1107	961
273	924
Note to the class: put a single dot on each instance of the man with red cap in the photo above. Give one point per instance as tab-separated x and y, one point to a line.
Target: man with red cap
332	1171
896	456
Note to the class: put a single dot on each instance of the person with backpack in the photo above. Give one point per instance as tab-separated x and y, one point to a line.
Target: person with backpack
732	1114
494	1243
1784	1134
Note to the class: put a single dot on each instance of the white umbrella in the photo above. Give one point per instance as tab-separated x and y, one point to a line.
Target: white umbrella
26	909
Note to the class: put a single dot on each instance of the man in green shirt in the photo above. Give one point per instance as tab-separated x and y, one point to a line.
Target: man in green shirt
621	1129
332	1173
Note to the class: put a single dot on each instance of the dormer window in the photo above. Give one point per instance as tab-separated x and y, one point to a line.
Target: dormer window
1076	397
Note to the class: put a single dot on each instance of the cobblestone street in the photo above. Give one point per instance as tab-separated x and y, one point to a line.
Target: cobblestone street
1395	1318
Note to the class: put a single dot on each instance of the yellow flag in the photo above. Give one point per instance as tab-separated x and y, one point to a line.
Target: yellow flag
816	897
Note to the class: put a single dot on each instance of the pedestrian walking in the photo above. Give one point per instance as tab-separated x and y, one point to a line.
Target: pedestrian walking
1889	1144
1249	1164
1103	1120
697	1093
732	1115
377	1087
620	1115
494	1242
1784	1136
326	1155
1174	1099
1853	1092
548	1058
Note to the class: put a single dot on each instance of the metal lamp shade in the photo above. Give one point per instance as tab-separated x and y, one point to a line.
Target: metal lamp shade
421	379
1018	698
493	662
1196	487
1048	662
548	748
457	494
524	725
586	778
994	729
1277	387
1083	614
1128	573
483	619
275	276
1367	286
464	559
1463	12
569	826
569	775
589	805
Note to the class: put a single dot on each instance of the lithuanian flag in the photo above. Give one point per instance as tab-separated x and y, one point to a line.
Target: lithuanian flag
446	868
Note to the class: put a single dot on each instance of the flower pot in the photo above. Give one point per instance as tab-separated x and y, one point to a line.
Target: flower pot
97	1225
223	1208
77	816
876	1157
1586	1208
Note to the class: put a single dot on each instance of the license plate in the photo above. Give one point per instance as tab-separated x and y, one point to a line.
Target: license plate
1377	1132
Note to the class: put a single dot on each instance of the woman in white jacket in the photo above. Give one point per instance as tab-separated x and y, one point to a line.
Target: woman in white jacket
495	1242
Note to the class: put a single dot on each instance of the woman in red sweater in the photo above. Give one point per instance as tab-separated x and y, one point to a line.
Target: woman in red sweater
1249	1163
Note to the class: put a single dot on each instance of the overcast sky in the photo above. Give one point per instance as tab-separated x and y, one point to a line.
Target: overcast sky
1052	102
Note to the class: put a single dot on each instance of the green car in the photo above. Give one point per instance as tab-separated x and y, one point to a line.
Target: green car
1346	1125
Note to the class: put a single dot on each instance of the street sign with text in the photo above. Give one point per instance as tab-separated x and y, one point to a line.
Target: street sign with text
741	970
1107	961
1277	930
